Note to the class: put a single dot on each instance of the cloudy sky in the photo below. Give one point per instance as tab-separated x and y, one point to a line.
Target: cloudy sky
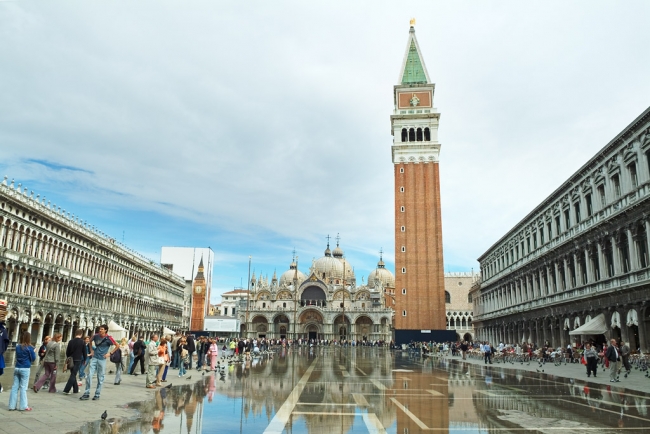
259	128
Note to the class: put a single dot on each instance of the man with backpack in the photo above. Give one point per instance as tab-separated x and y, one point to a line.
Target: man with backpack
103	346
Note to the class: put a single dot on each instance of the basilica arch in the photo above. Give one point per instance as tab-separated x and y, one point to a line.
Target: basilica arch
313	295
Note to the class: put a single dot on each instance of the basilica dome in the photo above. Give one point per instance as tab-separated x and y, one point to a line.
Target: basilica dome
328	267
288	276
382	274
348	271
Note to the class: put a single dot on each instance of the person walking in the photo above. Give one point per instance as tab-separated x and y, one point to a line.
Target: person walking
167	355
82	369
191	347
102	345
132	342
184	358
152	362
75	349
41	355
139	349
175	356
213	353
50	360
119	358
162	360
614	357
625	357
591	357
4	338
25	355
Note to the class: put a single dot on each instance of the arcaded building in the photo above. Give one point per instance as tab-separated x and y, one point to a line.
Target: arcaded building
324	303
577	267
59	274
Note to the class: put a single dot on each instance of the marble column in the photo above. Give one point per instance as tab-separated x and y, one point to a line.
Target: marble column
601	261
632	251
616	255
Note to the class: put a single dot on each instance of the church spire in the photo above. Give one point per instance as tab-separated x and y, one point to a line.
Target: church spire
413	69
199	275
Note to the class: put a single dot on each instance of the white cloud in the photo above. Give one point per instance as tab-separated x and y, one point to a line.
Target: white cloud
274	119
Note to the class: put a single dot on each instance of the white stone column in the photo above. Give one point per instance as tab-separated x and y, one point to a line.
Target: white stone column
601	261
632	250
616	255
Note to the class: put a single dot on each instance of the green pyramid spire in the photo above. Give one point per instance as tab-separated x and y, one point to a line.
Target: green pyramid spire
414	70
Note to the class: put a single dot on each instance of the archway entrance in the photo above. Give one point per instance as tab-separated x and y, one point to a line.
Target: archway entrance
313	296
342	325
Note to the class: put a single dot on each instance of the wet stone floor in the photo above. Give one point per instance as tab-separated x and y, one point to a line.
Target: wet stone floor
373	390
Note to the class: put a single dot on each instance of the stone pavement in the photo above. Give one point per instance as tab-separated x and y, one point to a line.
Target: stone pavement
635	381
58	413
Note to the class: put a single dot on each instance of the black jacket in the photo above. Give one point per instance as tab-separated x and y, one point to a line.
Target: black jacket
611	354
138	348
76	350
191	347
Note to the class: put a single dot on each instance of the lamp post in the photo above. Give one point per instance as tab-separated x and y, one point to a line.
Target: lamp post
248	293
295	298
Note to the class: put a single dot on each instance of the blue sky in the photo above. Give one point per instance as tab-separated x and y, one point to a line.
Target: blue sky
256	130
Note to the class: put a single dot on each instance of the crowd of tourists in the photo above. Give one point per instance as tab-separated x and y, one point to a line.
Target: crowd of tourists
88	358
613	355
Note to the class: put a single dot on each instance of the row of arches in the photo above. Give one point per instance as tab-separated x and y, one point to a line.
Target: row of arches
26	284
52	249
41	322
629	324
416	134
312	324
621	252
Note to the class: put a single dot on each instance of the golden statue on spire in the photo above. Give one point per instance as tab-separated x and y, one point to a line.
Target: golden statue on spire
412	22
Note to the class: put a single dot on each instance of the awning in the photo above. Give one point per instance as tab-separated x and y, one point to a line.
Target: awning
597	326
113	326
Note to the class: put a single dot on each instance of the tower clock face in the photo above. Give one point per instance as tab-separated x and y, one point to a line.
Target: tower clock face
198	289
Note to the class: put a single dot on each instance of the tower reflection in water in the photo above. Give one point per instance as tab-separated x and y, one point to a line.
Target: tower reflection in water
349	390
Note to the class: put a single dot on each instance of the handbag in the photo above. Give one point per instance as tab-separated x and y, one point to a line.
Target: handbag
583	361
69	364
161	360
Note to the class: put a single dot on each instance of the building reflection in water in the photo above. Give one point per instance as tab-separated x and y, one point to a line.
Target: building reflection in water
369	389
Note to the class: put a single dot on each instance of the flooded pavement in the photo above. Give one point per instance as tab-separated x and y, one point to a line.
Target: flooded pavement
372	390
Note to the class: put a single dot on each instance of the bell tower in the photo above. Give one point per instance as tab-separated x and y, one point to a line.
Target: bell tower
419	268
197	319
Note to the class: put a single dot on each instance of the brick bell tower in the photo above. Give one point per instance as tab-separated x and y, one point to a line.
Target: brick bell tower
419	271
197	319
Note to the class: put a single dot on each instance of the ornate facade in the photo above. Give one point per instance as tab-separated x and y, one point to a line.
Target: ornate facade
458	305
419	296
58	274
326	303
582	252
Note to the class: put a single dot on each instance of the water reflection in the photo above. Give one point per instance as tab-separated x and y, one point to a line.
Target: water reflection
375	390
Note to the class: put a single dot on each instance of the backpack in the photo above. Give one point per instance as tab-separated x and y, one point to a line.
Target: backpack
116	356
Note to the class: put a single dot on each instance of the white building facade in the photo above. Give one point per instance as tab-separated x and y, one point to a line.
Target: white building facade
58	274
580	254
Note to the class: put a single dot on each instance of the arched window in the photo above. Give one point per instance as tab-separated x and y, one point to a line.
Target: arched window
427	135
412	135
404	135
419	134
447	297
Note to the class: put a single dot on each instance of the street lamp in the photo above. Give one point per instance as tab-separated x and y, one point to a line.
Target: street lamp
248	293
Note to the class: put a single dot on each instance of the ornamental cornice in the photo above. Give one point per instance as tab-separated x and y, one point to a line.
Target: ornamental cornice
404	154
